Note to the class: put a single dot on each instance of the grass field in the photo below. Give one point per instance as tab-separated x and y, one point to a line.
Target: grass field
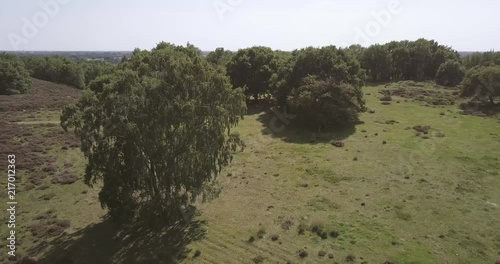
387	196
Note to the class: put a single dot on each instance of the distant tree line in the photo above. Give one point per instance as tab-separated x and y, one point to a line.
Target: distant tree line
289	77
63	70
481	59
104	56
405	60
323	85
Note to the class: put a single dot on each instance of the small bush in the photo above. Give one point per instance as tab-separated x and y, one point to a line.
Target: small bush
49	169
261	232
303	253
301	228
317	227
350	258
386	98
287	224
64	179
334	234
440	135
422	129
36	181
391	122
258	259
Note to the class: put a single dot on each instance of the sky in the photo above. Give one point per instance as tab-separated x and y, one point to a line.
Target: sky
122	25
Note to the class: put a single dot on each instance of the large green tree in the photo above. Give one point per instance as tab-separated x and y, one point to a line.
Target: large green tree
482	83
450	73
440	55
401	60
14	78
157	132
325	103
322	87
357	51
220	57
326	62
253	68
376	59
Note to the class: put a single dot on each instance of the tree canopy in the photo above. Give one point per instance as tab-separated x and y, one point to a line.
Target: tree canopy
482	83
377	60
253	68
322	86
14	78
450	73
157	132
404	60
325	103
56	69
481	59
220	57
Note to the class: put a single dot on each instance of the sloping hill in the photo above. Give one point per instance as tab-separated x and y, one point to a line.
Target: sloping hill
44	94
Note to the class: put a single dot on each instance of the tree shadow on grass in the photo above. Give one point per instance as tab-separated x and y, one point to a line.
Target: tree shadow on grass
480	108
279	125
259	106
107	243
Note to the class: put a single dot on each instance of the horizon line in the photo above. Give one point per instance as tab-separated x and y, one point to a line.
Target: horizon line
491	50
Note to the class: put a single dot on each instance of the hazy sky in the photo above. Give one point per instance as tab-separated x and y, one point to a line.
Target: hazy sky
233	24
